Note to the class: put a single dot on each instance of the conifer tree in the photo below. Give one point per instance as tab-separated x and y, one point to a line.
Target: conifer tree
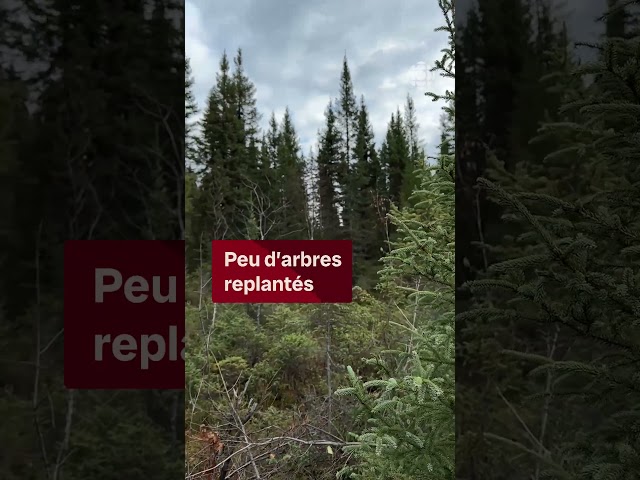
346	111
416	155
246	111
328	161
567	288
394	154
366	231
410	431
229	153
215	159
266	194
99	155
270	147
292	216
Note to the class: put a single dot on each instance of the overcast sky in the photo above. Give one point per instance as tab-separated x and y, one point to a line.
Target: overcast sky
293	53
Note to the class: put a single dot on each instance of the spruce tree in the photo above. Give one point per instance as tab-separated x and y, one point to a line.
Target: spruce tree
410	421
292	216
416	155
346	111
367	233
265	193
246	111
229	153
216	157
328	161
394	154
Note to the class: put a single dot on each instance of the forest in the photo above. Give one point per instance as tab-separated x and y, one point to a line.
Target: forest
499	343
322	391
91	142
547	228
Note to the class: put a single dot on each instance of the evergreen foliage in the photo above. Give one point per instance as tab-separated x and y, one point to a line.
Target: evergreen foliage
328	174
410	418
552	321
263	381
253	184
91	147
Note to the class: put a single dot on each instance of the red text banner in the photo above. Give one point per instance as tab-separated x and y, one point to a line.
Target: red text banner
281	271
124	314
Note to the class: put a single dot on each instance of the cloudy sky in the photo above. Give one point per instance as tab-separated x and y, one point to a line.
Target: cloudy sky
293	52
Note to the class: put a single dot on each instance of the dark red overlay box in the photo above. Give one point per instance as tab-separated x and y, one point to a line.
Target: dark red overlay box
281	271
124	314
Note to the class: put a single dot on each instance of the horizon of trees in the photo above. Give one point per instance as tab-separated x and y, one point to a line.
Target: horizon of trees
341	190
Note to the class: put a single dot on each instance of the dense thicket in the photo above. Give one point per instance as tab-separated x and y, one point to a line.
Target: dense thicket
548	339
362	390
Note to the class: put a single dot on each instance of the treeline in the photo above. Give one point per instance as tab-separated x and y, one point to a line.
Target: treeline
245	183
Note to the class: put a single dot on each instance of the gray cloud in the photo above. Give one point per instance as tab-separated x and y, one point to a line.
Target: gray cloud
293	52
